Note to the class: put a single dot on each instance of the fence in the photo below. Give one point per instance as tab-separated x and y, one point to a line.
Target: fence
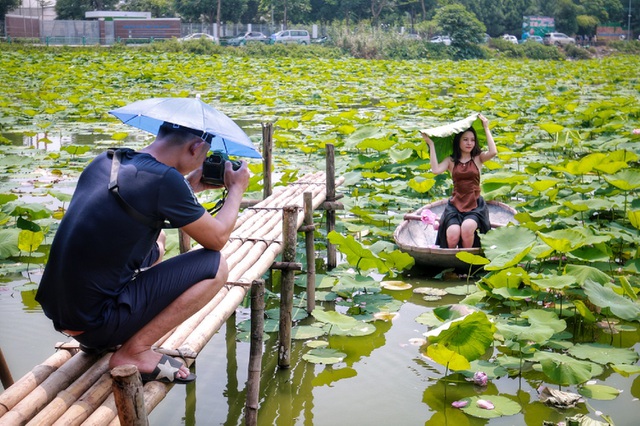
76	32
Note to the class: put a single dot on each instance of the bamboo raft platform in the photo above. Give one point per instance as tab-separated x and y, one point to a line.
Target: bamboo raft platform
74	388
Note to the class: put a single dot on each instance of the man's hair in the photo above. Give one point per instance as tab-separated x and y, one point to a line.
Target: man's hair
175	134
456	145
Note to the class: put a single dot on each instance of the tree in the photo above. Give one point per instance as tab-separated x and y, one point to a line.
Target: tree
7	5
462	26
207	10
158	8
76	9
566	16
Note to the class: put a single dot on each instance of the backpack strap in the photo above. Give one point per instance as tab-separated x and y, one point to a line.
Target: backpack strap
116	155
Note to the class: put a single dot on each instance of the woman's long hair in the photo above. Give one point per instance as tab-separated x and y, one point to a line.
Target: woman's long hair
456	145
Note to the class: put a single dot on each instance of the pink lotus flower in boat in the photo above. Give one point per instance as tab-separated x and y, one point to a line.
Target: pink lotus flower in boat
429	218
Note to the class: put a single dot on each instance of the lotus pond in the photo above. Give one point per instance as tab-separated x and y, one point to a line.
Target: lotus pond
551	305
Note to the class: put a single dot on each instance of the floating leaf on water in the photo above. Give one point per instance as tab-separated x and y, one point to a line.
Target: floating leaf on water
431	298
385	316
502	406
626	370
557	398
317	344
599	392
430	291
324	356
395	285
303	332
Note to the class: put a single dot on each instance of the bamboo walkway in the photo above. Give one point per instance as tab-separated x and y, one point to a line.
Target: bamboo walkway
73	388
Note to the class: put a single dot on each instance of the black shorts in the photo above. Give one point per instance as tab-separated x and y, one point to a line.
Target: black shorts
148	293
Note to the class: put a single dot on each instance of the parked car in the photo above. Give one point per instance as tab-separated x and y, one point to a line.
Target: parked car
247	37
558	39
510	38
291	36
446	40
535	39
196	36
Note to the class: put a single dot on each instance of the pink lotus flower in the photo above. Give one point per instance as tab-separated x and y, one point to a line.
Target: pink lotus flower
429	218
480	378
487	405
636	131
459	404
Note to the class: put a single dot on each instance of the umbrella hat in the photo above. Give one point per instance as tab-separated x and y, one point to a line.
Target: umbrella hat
225	135
442	136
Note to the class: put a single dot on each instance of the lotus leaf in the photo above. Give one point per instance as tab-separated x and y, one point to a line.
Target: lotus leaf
626	180
448	358
603	354
469	336
502	406
521	333
565	370
599	392
585	272
304	332
604	297
324	356
626	370
506	246
542	318
555	282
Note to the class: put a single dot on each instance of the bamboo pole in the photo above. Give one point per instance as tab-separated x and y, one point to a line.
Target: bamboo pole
267	150
289	228
310	251
25	385
331	196
127	392
5	373
66	397
87	403
255	353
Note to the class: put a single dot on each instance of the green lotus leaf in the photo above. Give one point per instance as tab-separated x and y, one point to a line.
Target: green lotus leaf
582	273
542	318
634	218
446	357
599	392
626	180
603	354
470	336
510	278
520	333
626	370
429	319
324	356
551	128
503	406
493	370
506	246
563	240
582	309
556	282
514	293
9	243
334	318
359	329
304	332
471	259
604	297
564	370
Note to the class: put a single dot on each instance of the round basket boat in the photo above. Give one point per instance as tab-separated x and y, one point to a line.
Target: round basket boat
417	239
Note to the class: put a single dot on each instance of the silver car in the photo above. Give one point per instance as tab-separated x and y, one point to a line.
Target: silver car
558	39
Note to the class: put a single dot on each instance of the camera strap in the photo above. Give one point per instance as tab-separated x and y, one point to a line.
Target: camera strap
116	155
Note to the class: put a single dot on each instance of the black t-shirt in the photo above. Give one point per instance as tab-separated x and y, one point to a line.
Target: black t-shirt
99	246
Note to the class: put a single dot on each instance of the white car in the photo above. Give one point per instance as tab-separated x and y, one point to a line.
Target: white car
558	39
446	40
510	38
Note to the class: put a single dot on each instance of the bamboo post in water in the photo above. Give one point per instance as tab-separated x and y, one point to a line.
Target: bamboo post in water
267	148
289	234
5	373
310	251
255	352
331	196
129	395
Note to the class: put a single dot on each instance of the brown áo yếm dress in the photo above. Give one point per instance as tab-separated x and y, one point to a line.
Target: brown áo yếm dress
465	203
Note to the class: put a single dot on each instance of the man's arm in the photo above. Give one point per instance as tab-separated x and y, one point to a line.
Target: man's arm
213	232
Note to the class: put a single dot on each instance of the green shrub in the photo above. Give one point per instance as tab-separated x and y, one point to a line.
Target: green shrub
540	51
576	52
632	47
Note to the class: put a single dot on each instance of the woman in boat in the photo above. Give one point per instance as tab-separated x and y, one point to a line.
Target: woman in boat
466	210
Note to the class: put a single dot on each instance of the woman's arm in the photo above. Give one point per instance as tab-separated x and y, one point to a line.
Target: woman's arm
436	167
491	151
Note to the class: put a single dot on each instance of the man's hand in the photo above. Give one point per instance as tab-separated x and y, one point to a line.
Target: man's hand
236	179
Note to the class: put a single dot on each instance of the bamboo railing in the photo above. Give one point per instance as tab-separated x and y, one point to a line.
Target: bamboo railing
73	388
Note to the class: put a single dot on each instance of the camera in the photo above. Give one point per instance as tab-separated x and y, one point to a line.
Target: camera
213	168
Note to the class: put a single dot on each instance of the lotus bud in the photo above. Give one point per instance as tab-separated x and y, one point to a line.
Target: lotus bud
480	378
428	217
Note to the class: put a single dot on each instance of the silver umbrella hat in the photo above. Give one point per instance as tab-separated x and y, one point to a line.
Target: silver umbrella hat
194	115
